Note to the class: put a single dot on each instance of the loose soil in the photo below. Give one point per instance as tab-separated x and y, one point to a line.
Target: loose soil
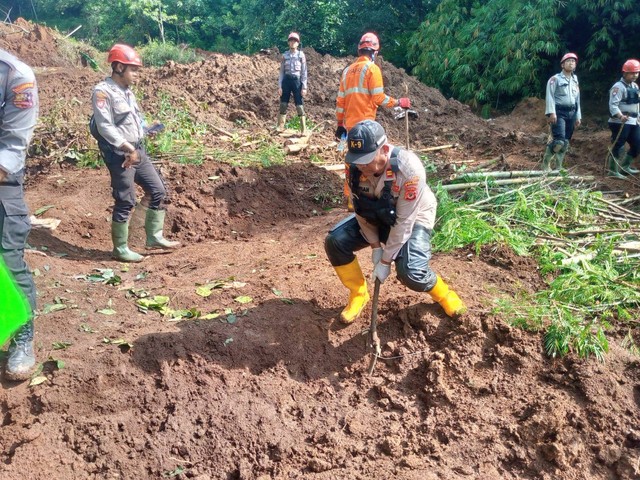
276	388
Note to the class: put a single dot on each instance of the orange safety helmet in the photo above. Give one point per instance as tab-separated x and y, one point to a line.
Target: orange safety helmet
631	66
124	54
369	41
295	36
567	56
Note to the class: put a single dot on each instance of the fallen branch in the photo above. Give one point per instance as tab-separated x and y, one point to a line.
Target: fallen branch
486	164
440	147
510	174
591	232
514	181
222	131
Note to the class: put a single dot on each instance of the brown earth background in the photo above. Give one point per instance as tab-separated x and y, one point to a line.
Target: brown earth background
278	389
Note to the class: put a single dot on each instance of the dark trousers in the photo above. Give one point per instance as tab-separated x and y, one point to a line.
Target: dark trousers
123	183
291	84
563	129
14	230
412	262
630	134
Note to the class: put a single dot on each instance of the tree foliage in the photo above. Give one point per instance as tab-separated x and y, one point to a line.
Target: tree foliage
485	53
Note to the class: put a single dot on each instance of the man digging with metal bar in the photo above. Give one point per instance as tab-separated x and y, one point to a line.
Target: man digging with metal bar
394	207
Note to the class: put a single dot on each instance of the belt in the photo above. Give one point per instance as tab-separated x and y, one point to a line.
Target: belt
566	108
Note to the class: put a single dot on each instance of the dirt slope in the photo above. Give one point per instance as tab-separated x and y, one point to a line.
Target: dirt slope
275	388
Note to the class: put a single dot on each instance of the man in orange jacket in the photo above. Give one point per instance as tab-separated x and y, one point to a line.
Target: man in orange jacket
361	89
360	94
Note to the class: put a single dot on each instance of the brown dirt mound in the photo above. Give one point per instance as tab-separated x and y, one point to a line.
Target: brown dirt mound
275	388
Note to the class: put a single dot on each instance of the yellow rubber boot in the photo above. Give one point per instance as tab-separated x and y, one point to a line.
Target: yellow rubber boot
351	277
447	298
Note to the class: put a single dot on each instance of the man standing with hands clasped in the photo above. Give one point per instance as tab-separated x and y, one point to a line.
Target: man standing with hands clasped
118	126
18	117
395	212
562	110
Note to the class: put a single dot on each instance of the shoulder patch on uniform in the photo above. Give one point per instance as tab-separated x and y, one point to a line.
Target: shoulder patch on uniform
23	100
614	91
101	98
552	80
23	87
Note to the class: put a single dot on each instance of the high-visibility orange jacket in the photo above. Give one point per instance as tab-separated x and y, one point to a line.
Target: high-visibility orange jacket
361	93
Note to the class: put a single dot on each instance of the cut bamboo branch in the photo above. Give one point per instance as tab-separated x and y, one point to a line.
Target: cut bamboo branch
222	131
488	163
439	147
511	174
334	168
296	148
613	230
618	207
514	181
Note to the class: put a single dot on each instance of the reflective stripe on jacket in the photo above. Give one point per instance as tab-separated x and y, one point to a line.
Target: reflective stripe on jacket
361	93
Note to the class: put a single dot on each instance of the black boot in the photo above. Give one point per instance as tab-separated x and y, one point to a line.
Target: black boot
22	361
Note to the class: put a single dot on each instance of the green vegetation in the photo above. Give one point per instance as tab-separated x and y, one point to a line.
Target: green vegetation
156	53
578	239
181	140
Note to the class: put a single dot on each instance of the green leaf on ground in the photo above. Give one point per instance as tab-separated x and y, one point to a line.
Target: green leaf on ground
276	292
41	210
228	341
53	307
38	380
210	316
107	311
243	299
61	345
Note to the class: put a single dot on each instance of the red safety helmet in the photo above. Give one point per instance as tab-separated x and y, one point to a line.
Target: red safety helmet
369	41
295	36
631	66
124	54
567	56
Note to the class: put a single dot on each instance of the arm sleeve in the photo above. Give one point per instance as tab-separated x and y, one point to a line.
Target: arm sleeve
303	72
281	75
376	88
340	99
615	97
103	115
550	103
20	117
407	208
579	112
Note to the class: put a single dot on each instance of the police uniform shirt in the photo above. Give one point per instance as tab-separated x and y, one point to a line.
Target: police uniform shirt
563	91
294	64
414	201
117	114
618	96
19	111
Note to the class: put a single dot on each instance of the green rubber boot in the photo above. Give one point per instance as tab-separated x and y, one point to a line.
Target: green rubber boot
548	157
614	168
153	225
626	165
560	158
120	236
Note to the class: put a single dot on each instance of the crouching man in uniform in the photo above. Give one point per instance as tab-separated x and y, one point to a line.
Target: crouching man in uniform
395	213
120	130
18	116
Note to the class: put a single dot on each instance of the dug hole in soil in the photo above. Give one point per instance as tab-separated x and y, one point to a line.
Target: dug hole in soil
276	388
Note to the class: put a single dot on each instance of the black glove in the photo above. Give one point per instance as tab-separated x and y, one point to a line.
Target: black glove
340	131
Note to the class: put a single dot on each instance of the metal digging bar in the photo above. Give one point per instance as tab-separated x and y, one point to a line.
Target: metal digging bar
374	340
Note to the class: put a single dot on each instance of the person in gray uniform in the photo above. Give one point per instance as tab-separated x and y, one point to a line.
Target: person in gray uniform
562	110
293	80
623	107
119	127
18	117
395	211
